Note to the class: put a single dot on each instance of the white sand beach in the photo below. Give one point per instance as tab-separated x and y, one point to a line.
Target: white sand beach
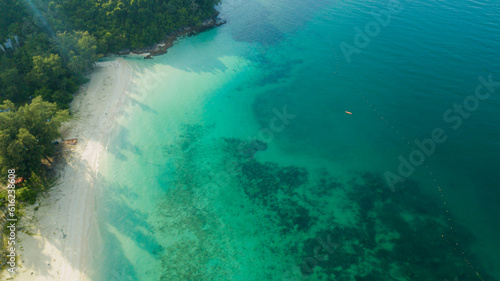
57	245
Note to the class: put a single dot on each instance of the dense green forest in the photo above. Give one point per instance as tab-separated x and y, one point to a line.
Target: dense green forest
47	47
27	136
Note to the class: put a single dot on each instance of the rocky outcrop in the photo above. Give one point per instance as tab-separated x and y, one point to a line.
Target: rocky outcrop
162	47
123	52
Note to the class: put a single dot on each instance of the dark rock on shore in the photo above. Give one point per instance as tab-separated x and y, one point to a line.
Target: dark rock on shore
161	47
123	52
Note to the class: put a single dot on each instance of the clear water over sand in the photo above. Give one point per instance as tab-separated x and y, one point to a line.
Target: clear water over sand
235	159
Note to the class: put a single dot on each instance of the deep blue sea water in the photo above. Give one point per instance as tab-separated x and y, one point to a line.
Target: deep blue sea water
236	157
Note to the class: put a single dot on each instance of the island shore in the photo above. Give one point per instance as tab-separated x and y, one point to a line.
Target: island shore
54	239
161	47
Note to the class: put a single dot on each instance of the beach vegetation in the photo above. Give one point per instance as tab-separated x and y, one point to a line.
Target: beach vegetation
47	46
27	134
47	49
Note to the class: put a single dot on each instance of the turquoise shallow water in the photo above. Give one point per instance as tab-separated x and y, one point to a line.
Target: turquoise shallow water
234	158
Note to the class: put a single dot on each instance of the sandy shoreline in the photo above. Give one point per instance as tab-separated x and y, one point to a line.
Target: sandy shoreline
57	248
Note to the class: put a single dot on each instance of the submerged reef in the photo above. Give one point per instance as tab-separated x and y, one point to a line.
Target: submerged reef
403	235
265	221
273	188
400	235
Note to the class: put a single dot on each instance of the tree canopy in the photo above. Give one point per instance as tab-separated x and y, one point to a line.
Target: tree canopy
27	135
54	42
47	47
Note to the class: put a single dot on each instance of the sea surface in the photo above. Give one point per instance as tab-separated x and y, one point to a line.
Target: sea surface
310	140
